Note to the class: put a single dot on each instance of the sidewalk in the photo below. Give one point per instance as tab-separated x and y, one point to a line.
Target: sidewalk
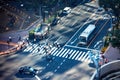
14	47
112	53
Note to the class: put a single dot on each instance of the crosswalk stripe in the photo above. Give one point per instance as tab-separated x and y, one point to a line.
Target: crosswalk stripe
42	50
68	53
35	50
86	54
75	54
89	60
64	53
62	50
72	54
33	47
81	56
54	53
28	48
53	50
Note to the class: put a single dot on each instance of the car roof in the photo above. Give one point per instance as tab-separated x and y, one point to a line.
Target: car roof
66	8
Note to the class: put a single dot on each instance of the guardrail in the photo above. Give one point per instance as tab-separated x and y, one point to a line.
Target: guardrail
107	69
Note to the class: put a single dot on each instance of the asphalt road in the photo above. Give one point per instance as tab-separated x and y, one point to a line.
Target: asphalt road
69	62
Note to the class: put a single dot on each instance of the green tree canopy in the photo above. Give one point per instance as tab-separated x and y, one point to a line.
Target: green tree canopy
111	4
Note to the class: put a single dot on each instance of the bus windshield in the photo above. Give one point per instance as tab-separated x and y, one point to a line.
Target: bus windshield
82	39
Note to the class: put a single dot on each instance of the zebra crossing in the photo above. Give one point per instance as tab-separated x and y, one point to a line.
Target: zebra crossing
61	52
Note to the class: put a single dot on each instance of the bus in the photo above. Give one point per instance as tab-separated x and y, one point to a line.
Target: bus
86	35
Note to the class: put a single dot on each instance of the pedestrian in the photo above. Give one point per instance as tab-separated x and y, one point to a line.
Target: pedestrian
105	60
38	49
8	42
10	39
27	41
68	55
19	39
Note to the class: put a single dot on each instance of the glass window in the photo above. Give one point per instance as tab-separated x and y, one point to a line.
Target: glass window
82	39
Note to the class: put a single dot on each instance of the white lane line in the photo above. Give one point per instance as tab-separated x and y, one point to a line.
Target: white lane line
78	55
82	48
75	54
81	27
98	33
37	77
81	56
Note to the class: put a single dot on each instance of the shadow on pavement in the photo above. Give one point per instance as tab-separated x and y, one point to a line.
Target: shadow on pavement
91	65
18	75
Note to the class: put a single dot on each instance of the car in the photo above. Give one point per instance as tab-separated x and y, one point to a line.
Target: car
41	31
55	21
100	9
66	10
27	70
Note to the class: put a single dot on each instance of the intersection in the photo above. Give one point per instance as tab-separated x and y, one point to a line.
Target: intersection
70	61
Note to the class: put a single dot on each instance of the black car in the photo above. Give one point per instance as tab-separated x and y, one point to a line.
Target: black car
27	70
55	21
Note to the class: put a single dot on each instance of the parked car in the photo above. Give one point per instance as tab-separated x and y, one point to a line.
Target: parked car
66	10
41	31
55	21
100	9
27	70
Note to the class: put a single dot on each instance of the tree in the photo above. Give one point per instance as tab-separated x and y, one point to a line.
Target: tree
111	4
115	39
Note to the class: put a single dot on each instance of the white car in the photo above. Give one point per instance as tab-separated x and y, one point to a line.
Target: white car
66	10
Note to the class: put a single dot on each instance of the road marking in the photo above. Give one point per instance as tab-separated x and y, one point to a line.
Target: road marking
75	54
81	56
82	48
98	32
37	77
61	63
54	53
58	67
66	53
80	27
61	51
86	55
69	53
72	54
78	55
